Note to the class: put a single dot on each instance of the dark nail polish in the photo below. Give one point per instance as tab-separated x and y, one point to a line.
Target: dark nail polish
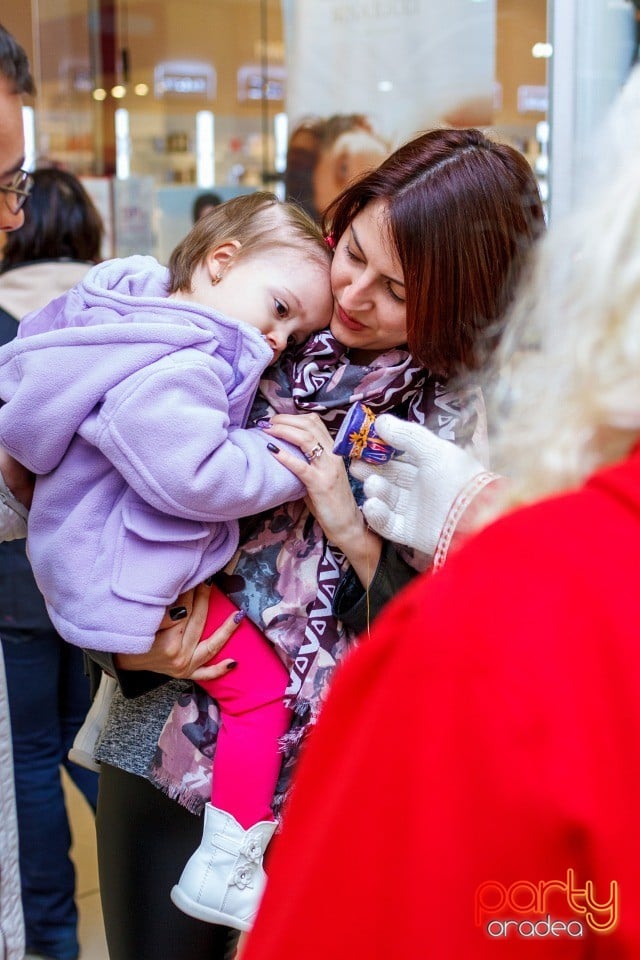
178	613
263	424
239	616
232	665
209	580
272	447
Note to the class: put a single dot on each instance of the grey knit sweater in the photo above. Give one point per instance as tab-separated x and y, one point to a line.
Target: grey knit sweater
133	727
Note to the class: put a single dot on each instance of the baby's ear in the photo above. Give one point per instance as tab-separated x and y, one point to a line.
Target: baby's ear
219	258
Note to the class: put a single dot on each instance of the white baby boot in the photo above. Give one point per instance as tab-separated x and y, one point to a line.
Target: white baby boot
86	738
224	879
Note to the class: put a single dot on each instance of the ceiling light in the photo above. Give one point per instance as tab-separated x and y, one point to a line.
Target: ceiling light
541	51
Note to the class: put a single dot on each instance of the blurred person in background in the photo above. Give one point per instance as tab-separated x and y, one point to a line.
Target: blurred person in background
15	184
48	690
324	155
203	204
15	81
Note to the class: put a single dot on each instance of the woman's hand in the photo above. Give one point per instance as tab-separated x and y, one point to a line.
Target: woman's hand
17	478
329	496
177	650
16	491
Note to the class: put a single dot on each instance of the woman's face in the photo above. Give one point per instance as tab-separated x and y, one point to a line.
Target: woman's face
369	313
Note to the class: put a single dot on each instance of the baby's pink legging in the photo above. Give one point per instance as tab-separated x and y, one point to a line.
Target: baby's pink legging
252	718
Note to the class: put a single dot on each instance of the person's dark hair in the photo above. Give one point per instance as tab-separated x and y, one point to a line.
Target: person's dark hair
14	64
60	222
255	221
302	156
202	201
339	123
463	212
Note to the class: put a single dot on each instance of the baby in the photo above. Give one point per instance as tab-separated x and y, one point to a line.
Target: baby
127	397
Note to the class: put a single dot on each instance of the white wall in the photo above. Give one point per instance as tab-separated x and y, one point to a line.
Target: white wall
593	47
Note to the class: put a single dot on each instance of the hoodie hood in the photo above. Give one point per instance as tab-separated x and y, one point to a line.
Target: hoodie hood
87	343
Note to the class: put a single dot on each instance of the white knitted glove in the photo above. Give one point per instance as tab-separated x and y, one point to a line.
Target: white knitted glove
409	498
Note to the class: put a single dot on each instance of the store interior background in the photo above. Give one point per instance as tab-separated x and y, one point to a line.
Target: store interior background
151	101
219	58
547	105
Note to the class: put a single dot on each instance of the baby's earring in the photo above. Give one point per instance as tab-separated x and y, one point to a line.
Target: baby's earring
216	280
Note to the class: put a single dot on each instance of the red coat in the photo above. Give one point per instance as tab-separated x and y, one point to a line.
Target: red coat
484	741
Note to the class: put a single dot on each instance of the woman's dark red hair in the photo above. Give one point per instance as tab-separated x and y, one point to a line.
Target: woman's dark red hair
463	212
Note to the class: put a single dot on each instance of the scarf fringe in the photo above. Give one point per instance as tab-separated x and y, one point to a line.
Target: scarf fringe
300	707
293	737
189	799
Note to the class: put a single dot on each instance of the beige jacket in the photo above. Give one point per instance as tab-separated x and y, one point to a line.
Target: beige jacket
11	923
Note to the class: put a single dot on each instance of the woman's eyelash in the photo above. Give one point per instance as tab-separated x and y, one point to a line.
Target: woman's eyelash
390	290
393	294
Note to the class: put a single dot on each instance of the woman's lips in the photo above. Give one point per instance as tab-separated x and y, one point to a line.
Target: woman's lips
348	321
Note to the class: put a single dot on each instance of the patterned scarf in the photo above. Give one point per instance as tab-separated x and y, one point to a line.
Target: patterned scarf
285	574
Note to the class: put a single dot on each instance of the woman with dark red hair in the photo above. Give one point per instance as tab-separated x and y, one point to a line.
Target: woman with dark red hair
428	248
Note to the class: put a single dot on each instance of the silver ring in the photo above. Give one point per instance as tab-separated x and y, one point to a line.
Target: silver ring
315	452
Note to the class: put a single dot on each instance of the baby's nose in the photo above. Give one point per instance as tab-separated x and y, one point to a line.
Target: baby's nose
277	340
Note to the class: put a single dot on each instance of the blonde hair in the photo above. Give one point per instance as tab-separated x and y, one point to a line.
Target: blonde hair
257	221
569	389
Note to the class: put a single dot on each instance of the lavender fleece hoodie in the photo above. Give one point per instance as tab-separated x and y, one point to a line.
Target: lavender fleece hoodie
130	409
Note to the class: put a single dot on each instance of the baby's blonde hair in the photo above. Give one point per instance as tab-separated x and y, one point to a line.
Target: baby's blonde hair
257	221
569	389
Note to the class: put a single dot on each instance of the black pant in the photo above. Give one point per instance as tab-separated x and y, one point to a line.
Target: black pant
144	841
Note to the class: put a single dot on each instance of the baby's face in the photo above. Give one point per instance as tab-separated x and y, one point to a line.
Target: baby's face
281	292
